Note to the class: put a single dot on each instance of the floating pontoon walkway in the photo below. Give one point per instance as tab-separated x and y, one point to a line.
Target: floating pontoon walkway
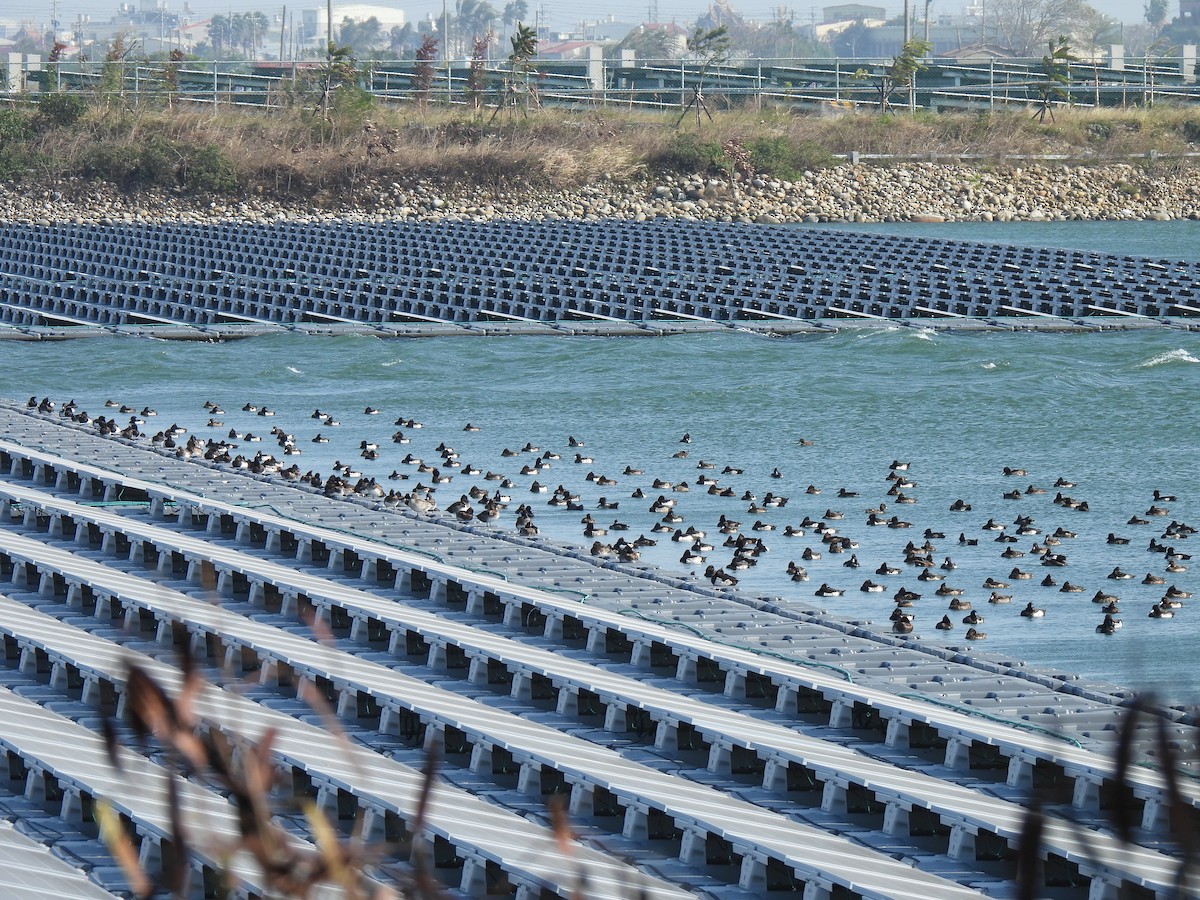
563	277
707	743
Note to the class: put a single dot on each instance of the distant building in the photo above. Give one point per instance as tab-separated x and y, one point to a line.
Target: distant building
676	35
976	53
18	71
609	29
566	49
190	34
855	12
879	41
153	18
314	27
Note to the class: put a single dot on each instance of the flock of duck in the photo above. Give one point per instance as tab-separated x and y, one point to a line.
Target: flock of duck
719	550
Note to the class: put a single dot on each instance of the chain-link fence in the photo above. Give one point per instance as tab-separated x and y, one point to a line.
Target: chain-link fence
813	84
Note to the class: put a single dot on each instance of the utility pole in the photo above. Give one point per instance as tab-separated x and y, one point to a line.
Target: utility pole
907	30
282	31
328	59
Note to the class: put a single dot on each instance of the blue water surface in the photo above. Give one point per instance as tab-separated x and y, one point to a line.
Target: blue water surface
1114	413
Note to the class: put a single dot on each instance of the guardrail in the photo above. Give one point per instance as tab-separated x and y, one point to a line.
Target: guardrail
654	84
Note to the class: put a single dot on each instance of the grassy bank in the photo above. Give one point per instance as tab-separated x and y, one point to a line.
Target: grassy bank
296	155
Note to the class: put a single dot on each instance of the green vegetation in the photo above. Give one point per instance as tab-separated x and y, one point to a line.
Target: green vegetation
902	71
59	111
518	88
687	152
780	157
161	163
1055	77
16	153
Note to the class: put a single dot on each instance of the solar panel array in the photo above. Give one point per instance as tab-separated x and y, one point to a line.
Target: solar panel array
383	275
690	767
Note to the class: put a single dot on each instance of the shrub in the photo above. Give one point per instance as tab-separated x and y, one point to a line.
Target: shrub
110	162
15	153
157	163
160	163
59	111
347	111
686	152
14	127
206	170
351	105
783	158
1190	129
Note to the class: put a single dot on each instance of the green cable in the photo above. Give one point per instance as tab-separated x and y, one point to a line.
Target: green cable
1012	723
95	503
584	595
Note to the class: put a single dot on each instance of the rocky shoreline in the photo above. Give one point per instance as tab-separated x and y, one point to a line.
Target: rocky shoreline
930	192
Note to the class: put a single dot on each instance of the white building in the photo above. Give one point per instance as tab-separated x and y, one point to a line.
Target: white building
314	26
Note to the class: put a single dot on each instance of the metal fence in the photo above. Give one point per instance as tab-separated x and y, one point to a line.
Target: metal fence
829	84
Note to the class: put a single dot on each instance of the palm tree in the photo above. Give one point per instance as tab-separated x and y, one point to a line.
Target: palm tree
474	17
220	33
1156	15
238	28
402	39
256	27
514	11
362	37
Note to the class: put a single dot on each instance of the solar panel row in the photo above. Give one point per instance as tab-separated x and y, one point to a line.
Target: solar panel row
554	272
717	769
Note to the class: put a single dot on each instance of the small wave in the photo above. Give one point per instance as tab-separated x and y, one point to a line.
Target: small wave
294	370
924	334
870	334
1169	357
989	365
392	362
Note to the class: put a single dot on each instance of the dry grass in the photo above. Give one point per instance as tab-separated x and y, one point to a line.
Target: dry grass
245	772
248	778
288	153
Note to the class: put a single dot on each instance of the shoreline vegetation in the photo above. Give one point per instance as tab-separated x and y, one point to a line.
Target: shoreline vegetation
68	160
